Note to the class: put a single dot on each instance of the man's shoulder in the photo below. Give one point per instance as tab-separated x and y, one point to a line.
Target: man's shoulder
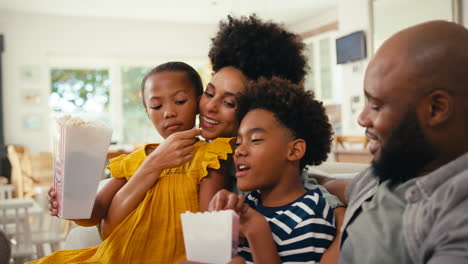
360	184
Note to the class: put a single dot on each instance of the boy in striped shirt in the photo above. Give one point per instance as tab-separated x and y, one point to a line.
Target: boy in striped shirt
283	129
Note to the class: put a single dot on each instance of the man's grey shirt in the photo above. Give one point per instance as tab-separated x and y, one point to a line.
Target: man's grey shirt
435	218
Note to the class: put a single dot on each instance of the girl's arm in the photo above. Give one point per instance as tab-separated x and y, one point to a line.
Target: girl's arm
102	202
128	197
209	186
174	151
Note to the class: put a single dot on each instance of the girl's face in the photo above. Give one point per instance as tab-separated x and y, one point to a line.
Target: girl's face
171	102
218	103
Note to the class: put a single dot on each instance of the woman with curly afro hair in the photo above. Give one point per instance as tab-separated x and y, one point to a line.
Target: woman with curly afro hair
244	49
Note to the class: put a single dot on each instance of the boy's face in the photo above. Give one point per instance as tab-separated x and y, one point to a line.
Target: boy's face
171	102
261	153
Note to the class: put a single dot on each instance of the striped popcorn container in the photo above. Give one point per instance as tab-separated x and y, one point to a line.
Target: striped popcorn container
80	150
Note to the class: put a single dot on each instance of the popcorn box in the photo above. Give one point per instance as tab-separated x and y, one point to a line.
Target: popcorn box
80	150
211	237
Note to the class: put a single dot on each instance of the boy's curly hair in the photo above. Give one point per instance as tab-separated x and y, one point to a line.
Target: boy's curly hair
257	49
296	109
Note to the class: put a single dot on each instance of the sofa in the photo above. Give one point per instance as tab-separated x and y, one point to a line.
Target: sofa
81	237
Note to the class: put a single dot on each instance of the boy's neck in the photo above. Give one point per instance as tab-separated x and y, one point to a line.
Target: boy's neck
287	190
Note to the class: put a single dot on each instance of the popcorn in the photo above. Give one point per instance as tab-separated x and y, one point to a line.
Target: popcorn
211	237
80	149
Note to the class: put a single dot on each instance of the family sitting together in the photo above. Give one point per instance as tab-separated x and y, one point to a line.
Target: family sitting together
261	128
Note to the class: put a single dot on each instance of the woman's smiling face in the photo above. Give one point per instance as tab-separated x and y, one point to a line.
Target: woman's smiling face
218	103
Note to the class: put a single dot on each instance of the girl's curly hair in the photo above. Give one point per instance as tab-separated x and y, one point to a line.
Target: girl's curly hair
258	48
294	108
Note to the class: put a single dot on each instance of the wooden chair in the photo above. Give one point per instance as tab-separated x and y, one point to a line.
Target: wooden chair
6	191
22	181
351	142
47	231
29	171
351	149
14	221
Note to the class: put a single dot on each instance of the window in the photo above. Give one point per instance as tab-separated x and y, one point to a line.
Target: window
110	93
323	73
81	91
137	127
321	58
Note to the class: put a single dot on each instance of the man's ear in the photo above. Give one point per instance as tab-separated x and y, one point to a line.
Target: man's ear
439	107
297	149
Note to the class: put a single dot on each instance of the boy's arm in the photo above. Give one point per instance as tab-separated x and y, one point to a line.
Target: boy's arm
209	186
333	252
259	235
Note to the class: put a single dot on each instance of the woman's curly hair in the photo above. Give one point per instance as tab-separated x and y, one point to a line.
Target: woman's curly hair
258	48
294	108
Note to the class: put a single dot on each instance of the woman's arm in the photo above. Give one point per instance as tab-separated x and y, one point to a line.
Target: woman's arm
337	187
333	252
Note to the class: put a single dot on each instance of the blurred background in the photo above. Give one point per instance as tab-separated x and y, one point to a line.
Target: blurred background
88	57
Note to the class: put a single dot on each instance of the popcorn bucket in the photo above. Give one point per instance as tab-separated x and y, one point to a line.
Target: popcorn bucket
211	237
80	150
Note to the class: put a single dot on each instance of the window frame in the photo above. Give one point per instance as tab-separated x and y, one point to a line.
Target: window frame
114	66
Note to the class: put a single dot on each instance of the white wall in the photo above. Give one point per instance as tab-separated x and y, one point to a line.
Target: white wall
38	41
353	16
327	17
464	12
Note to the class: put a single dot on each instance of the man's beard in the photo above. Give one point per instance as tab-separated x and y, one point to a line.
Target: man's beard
405	154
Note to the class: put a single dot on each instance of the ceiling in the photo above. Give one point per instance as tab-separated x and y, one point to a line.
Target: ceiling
175	11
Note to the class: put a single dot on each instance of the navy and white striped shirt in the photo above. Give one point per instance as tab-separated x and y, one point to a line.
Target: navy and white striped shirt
302	230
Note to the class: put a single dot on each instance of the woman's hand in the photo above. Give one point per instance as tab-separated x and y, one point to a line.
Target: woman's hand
53	203
174	151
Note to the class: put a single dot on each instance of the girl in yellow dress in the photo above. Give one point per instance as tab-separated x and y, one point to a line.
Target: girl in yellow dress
139	209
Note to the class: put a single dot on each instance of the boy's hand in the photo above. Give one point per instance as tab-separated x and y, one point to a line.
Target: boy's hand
175	149
225	200
53	203
249	218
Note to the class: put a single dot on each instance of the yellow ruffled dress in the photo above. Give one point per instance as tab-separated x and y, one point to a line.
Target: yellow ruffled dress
152	233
